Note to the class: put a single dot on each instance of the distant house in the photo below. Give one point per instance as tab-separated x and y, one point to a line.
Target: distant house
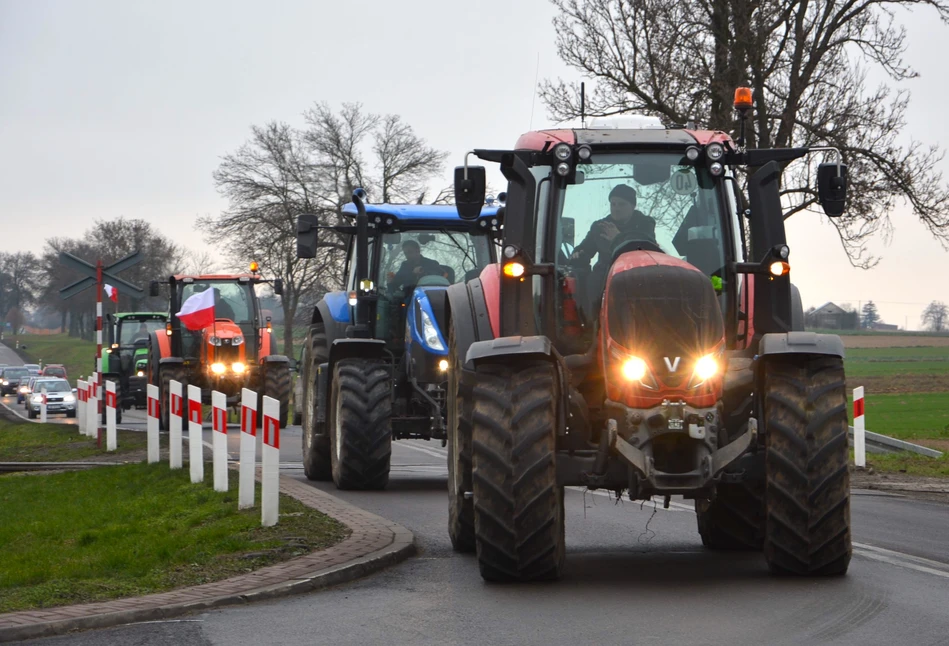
884	327
829	316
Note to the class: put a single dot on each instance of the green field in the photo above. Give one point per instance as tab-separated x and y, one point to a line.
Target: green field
884	362
77	355
908	416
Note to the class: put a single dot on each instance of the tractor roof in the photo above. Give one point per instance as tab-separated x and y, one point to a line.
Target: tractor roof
143	315
649	136
219	277
422	216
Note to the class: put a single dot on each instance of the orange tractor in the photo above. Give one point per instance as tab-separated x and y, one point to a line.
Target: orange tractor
235	351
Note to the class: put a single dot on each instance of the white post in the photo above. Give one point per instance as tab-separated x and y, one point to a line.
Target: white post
245	489
859	430
93	408
195	435
110	403
174	424
151	421
270	464
81	405
42	405
219	426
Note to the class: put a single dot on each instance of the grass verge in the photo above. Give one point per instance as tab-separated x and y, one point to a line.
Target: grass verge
76	354
136	529
908	416
26	442
909	463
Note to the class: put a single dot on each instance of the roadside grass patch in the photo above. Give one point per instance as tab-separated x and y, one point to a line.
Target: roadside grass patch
135	529
885	362
26	442
907	416
909	463
77	355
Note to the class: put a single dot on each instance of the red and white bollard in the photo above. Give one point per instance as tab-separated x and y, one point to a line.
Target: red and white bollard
92	408
175	412
151	422
270	464
219	443
195	435
81	405
43	405
245	487
111	402
859	430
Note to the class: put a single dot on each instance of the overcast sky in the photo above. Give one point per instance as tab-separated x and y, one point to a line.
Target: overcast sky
116	108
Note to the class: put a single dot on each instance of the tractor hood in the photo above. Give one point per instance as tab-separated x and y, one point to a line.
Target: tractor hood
224	332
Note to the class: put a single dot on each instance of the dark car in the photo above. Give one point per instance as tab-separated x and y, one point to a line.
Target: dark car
10	379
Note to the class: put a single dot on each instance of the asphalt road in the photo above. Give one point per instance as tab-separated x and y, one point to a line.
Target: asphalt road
635	575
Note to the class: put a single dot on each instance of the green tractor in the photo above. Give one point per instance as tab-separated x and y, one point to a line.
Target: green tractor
126	354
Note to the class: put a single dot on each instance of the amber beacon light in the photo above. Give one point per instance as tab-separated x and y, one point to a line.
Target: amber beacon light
743	98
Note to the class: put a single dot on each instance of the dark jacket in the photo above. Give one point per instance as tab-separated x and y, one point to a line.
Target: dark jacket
638	227
406	274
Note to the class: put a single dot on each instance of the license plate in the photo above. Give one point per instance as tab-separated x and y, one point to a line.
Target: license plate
675	424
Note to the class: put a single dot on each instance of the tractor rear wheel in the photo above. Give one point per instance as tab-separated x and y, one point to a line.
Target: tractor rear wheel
460	509
361	430
167	374
518	506
316	442
734	519
277	386
807	493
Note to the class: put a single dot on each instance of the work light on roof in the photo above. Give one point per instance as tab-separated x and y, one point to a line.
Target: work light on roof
562	152
563	169
692	153
716	169
584	153
715	151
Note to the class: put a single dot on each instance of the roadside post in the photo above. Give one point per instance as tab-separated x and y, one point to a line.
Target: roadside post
195	435
81	405
245	488
92	409
859	430
43	405
270	463
110	404
174	424
151	421
219	426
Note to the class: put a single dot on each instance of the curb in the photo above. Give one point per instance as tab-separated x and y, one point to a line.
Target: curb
375	543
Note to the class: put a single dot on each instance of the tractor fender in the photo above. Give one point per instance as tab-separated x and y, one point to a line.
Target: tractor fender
468	313
360	348
170	360
333	328
797	310
800	343
275	358
510	348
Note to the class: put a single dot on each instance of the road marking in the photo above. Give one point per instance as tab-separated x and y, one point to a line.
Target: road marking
902	559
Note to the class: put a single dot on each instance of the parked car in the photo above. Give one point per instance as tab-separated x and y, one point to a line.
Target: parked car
34	368
60	399
10	378
54	370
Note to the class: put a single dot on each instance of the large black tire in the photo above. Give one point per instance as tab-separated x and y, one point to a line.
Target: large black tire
316	442
807	492
518	506
167	374
734	520
461	528
277	386
360	424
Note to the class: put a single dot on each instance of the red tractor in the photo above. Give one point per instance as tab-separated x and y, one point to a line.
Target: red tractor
236	351
677	364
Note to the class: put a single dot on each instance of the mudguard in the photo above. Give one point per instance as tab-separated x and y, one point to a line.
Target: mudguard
275	358
334	329
797	310
468	313
800	343
497	350
355	348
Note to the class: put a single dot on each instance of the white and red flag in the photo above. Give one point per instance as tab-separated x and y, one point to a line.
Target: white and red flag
111	292
197	312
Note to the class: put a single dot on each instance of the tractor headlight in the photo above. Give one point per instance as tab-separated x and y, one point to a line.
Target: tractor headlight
443	365
140	373
218	368
430	333
706	368
635	369
238	368
214	340
632	369
715	151
237	340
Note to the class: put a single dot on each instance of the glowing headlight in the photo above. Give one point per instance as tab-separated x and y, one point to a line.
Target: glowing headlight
237	340
24	389
140	373
69	398
443	365
430	334
706	367
214	340
352	299
37	398
238	367
218	368
635	369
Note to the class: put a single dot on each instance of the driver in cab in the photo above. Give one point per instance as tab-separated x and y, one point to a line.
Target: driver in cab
414	267
623	223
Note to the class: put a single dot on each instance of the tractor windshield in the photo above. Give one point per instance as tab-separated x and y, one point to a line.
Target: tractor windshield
656	201
132	330
232	300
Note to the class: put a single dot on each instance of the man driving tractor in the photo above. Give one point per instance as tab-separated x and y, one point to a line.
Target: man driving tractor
414	266
623	221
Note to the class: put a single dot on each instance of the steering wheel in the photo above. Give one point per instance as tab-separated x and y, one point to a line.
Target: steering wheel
634	245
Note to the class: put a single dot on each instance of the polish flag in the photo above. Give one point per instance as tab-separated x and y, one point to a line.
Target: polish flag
197	312
111	292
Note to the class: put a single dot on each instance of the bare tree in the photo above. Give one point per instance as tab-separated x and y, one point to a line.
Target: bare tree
806	63
282	172
19	280
936	316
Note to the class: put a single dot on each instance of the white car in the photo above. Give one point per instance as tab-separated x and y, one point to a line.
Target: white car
60	399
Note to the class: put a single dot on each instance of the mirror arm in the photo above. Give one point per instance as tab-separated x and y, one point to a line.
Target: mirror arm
832	149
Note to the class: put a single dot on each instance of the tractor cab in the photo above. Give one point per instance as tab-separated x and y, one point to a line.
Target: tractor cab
126	350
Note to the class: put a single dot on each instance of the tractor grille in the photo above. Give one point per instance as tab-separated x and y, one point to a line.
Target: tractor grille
227	353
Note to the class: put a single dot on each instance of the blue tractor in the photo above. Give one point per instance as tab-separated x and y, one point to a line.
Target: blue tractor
375	361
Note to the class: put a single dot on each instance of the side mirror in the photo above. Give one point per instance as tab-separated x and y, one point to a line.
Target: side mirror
278	286
832	188
469	192
307	235
293	364
568	230
153	288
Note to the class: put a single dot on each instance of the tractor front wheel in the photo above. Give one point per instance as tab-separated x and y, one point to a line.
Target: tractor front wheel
277	386
316	443
518	506
461	529
360	425
807	492
734	519
167	374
